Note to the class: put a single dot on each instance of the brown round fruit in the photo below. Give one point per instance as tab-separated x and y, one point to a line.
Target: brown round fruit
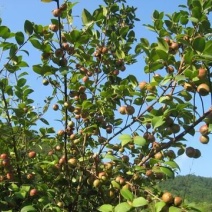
204	129
197	153
130	110
158	156
56	12
53	27
178	201
73	162
142	85
190	152
32	154
204	139
203	89
55	107
167	197
122	110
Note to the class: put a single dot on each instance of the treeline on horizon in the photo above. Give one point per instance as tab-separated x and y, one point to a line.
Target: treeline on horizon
193	189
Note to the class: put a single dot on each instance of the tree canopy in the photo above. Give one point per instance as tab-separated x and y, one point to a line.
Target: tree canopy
119	137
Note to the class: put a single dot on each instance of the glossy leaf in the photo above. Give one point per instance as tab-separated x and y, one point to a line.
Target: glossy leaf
28	27
86	17
139	140
139	202
106	208
126	194
159	206
28	208
19	36
123	207
125	139
199	44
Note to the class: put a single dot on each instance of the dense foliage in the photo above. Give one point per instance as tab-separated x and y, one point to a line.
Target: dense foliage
194	189
119	137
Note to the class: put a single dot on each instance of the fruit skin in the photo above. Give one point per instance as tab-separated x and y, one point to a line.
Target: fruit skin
203	89
167	197
190	152
204	129
122	110
204	139
32	154
73	162
33	192
56	12
96	183
202	73
130	110
53	27
178	201
142	85
4	156
45	82
55	107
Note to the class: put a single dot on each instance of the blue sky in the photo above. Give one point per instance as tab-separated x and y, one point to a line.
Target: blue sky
14	13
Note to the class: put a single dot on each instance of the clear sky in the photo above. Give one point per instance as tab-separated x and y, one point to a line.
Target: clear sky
14	13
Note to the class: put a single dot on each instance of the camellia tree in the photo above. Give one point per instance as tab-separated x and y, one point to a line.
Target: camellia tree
119	137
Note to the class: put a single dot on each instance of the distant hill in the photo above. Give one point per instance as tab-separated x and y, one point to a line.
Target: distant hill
194	189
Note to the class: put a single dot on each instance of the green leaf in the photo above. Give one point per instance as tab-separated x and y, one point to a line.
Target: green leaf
44	121
157	121
123	207
115	184
174	209
28	27
167	171
125	139
199	44
19	36
28	208
126	194
106	208
172	164
21	82
159	206
139	202
36	44
139	140
86	17
4	32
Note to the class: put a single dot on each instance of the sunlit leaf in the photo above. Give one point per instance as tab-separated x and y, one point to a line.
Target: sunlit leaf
139	202
106	208
126	194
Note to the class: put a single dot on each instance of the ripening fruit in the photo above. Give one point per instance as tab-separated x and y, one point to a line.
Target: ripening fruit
190	152
178	201
203	89
60	132
204	129
158	156
55	107
4	156
53	27
173	48
33	192
202	73
63	62
142	85
58	52
56	12
130	109
197	153
170	69
204	139
188	86
175	128
109	129
96	183
63	7
122	110
32	154
167	197
45	82
73	162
